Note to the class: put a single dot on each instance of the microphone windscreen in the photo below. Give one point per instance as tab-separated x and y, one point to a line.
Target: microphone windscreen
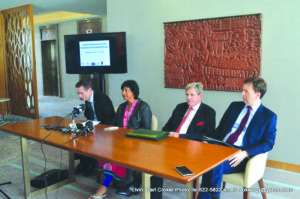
79	109
89	125
79	126
83	107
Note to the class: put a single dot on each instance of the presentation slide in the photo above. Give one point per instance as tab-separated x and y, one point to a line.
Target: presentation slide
94	53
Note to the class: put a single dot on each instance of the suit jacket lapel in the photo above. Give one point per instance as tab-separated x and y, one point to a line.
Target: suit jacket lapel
197	115
136	108
180	115
95	104
121	110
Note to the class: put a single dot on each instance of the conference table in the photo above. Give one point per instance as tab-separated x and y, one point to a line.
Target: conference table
150	157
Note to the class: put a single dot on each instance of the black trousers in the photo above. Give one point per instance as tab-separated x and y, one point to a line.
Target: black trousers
85	160
156	186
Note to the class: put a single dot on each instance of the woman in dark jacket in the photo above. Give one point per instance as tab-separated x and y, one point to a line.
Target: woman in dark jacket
132	114
138	110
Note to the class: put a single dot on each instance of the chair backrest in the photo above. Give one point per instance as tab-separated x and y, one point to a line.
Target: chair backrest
255	169
154	121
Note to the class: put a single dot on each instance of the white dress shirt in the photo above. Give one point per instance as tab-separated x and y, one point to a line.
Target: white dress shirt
239	141
188	121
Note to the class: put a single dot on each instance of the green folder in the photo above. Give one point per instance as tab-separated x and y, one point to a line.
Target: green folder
148	134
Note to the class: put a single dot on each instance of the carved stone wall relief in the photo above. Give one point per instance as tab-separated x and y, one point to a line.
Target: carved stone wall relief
221	52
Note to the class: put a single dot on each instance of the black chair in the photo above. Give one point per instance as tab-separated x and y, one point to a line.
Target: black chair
3	191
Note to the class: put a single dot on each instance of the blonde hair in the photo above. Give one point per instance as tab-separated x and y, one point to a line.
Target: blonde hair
196	85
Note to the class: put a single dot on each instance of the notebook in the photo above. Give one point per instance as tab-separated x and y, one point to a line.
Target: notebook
148	134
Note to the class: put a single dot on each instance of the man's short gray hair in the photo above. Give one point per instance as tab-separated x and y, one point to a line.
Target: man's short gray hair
196	85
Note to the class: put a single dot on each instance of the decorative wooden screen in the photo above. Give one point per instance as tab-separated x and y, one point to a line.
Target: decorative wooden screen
221	52
19	60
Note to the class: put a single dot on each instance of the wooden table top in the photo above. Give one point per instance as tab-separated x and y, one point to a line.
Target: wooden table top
153	157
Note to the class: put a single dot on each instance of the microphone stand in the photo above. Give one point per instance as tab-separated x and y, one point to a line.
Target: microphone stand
73	124
77	110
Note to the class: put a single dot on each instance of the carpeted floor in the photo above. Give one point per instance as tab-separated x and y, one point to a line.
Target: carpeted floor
281	184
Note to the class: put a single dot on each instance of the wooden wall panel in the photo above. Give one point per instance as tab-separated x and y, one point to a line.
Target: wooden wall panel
20	62
3	83
220	52
3	73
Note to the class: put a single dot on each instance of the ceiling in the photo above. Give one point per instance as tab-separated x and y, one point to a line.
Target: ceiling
60	10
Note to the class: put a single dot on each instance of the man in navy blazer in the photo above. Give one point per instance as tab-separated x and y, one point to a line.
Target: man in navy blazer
200	120
258	135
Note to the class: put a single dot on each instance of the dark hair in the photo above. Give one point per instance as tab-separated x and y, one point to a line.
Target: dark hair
85	83
259	85
133	87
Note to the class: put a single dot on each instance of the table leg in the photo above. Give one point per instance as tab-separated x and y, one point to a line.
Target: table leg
26	174
195	186
8	108
189	194
25	165
72	166
146	185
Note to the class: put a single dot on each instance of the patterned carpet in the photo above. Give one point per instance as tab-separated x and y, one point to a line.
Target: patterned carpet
11	169
83	187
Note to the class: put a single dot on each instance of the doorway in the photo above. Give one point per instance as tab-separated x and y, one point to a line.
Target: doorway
50	64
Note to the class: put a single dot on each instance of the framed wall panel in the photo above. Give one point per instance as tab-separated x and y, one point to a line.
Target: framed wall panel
219	52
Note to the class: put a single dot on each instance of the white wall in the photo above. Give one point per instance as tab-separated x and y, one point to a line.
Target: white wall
143	23
68	80
38	60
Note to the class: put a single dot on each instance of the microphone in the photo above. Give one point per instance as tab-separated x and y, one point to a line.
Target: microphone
88	127
77	110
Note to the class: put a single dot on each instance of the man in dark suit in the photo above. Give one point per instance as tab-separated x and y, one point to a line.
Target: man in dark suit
98	108
190	120
247	125
200	120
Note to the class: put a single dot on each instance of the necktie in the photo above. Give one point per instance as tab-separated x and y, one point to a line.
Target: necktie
184	119
233	137
90	110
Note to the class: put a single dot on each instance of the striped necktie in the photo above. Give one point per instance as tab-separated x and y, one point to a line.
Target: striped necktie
184	119
234	136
